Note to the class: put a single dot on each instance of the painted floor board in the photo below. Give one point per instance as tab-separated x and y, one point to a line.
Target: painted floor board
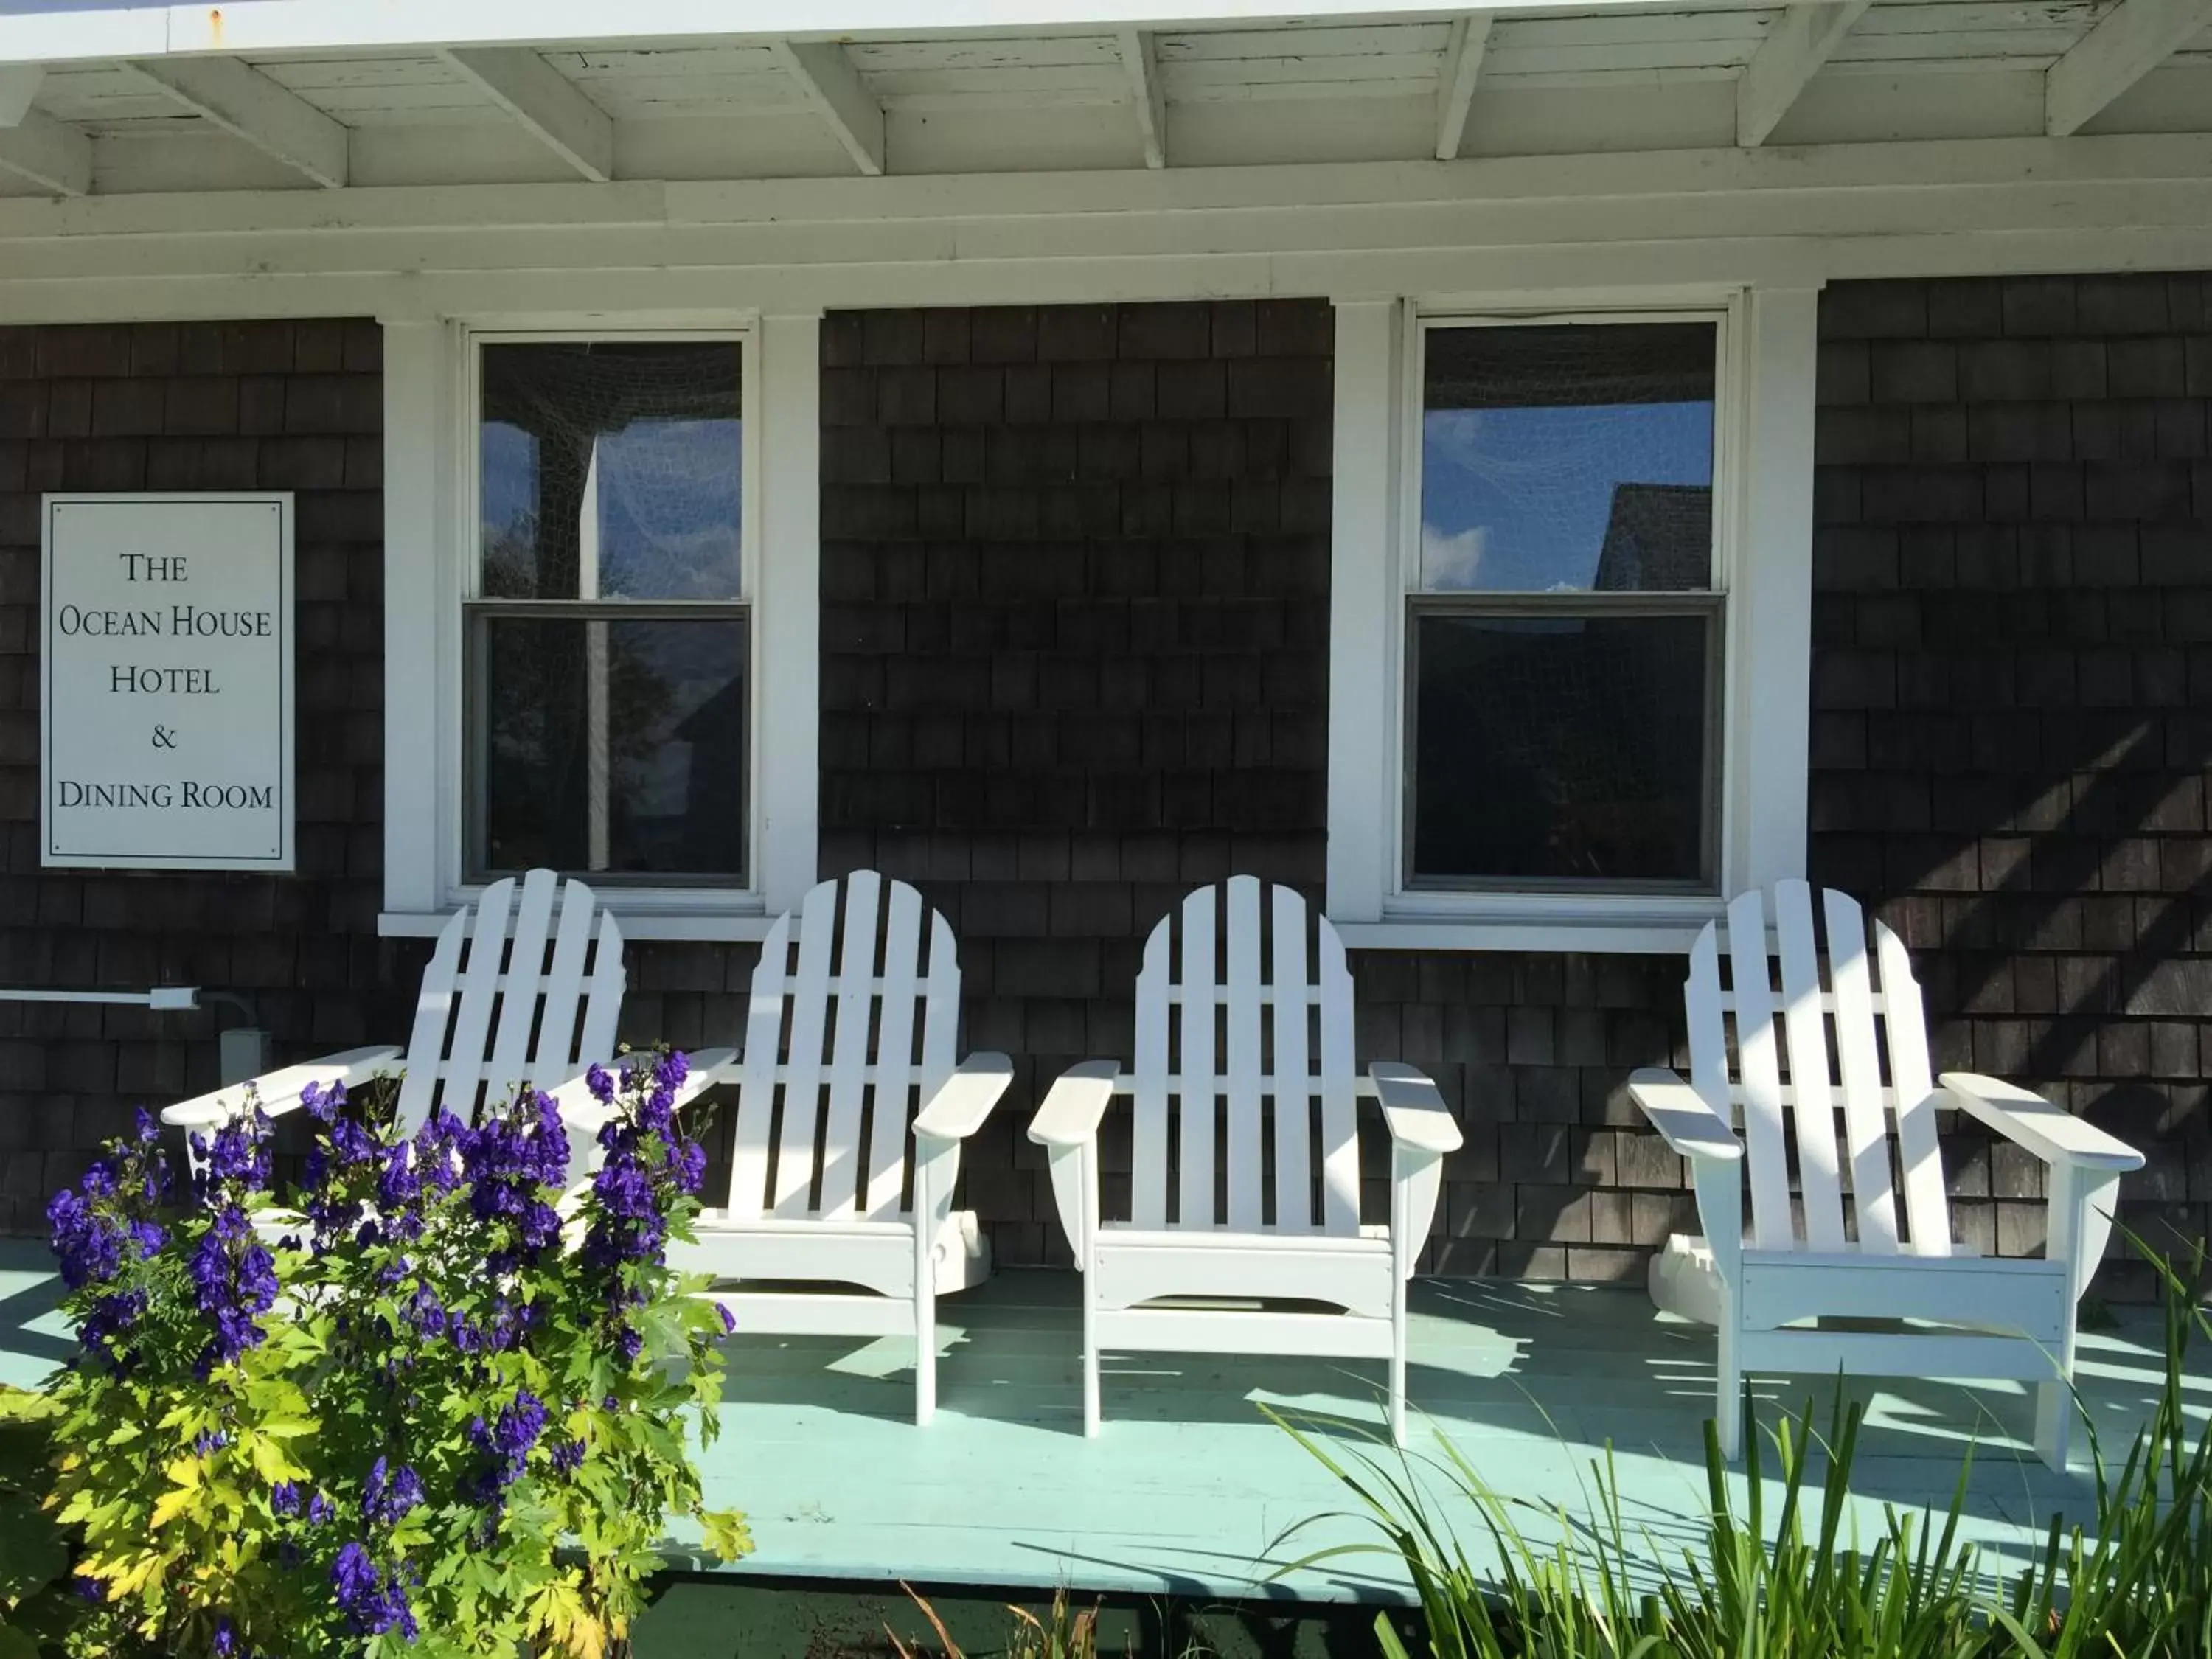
1191	1492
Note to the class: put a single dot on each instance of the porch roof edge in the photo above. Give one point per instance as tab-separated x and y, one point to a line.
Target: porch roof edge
63	31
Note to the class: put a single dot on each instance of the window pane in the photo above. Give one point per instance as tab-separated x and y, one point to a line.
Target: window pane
1561	748
613	744
611	470
1567	457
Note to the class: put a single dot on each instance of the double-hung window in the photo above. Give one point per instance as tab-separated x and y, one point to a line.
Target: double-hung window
1570	636
606	632
1566	624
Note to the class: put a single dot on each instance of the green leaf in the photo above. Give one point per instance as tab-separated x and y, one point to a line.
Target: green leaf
16	1645
32	1552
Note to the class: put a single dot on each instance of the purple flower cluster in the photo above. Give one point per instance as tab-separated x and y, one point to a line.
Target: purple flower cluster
649	1162
373	1602
234	1279
506	1441
508	1160
345	1146
100	1233
238	1157
389	1493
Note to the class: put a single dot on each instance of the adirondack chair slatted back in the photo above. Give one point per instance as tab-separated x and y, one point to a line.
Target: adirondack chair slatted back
1810	1052
526	986
855	1012
1244	1114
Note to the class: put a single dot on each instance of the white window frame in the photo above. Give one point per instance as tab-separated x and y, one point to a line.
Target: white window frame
432	385
1762	538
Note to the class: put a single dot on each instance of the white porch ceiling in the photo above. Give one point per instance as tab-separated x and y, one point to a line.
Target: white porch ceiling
309	94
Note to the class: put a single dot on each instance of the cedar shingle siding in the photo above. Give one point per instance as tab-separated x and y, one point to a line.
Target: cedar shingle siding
1074	658
1074	637
2012	703
294	406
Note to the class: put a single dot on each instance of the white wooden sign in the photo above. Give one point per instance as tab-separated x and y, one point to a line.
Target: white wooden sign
167	679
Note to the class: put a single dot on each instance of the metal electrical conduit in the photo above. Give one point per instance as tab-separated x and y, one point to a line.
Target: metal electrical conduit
244	1048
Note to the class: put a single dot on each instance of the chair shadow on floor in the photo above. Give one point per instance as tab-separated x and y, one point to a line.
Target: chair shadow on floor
24	1351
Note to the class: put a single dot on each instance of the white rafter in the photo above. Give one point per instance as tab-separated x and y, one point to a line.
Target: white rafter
834	87
1463	68
1140	62
19	84
51	153
242	100
1798	43
547	102
2129	42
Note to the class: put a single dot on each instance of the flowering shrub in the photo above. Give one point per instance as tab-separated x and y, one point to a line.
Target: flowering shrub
439	1402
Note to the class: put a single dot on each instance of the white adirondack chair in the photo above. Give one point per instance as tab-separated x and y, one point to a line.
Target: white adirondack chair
526	986
836	1179
1971	1315
1260	1201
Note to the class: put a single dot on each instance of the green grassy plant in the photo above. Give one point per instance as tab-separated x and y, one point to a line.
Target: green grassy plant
1793	1580
1065	1632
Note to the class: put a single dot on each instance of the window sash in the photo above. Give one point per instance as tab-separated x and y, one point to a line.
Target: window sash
1711	606
476	614
477	609
1713	602
1416	410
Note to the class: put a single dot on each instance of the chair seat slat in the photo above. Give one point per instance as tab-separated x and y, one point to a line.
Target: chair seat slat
891	1079
1759	1073
1926	1204
1245	1186
1289	1086
1193	1021
802	1087
1866	1123
1805	1028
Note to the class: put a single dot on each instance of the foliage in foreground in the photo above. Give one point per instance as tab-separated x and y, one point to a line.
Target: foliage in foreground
1063	1633
426	1412
36	1605
1792	1580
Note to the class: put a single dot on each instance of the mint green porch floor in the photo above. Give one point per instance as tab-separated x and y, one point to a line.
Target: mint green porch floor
1189	1490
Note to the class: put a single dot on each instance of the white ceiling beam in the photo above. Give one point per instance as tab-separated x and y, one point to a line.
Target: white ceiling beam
243	101
1797	44
1140	62
51	153
838	94
2130	40
19	85
548	103
132	29
1463	68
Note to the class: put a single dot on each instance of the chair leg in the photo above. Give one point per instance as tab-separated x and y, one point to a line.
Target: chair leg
2054	1415
1398	1362
1727	1394
925	1353
2054	1405
1398	1391
1089	1363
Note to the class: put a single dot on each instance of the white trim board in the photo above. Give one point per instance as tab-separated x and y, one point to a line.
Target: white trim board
1784	218
49	31
430	436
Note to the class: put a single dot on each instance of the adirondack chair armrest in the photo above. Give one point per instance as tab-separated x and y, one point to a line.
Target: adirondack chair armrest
963	1100
2050	1132
1070	1115
1683	1118
1413	1109
278	1092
